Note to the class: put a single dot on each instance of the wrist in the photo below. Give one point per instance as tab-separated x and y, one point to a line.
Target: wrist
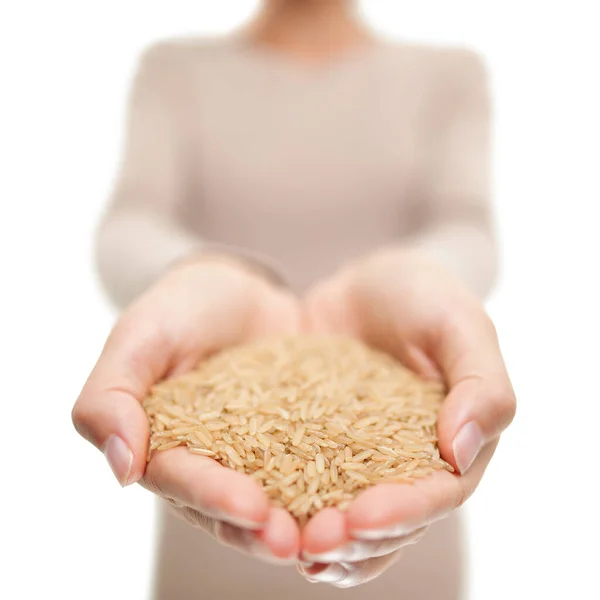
401	261
231	262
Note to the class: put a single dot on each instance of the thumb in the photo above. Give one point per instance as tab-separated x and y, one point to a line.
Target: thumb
108	412
481	402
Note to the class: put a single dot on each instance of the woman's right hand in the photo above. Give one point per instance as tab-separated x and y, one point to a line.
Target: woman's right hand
196	308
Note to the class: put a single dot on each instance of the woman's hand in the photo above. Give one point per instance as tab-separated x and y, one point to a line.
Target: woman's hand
195	309
411	307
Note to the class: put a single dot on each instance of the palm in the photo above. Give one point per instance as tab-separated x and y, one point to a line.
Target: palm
227	503
199	309
403	315
193	311
419	313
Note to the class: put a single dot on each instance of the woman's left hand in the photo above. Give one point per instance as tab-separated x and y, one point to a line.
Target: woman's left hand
411	307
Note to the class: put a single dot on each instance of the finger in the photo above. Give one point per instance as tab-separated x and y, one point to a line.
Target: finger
204	485
481	402
360	550
393	510
281	535
326	309
332	573
108	412
278	543
280	314
325	532
347	575
361	573
413	357
316	317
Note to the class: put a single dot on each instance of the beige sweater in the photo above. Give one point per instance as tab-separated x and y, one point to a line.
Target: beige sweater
301	167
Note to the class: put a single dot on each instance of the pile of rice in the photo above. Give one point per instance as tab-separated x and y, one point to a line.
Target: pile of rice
314	420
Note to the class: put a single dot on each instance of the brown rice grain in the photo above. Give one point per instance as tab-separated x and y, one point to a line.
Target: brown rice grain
314	419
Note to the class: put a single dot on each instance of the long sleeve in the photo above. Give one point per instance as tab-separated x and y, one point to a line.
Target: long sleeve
453	204
217	155
143	232
140	233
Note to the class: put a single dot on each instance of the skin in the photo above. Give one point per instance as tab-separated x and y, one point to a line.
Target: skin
309	31
157	337
390	300
385	300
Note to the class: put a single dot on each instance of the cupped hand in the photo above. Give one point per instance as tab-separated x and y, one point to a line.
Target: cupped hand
410	306
195	309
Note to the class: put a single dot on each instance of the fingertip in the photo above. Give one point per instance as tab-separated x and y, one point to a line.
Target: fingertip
387	510
324	532
459	431
454	411
208	487
281	535
241	499
137	438
395	509
117	425
277	543
372	509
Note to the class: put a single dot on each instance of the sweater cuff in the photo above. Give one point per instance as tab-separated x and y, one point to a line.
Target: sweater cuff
257	262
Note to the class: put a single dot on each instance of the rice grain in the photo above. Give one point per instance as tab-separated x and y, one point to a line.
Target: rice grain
314	420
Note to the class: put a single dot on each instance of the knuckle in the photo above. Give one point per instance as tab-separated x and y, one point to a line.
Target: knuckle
504	403
79	416
83	417
489	324
511	408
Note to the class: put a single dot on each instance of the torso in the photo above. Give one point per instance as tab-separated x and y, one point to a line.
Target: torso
311	166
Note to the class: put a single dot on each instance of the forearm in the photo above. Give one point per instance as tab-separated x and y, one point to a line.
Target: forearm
453	213
134	247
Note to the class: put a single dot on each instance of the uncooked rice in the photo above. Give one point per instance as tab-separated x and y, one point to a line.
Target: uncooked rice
314	420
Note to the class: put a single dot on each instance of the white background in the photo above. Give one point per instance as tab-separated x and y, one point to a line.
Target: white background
67	527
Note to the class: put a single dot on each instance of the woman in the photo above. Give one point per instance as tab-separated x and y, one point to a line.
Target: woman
302	175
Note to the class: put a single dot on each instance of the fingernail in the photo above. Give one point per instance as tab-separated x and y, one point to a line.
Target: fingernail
466	446
120	458
332	574
398	530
